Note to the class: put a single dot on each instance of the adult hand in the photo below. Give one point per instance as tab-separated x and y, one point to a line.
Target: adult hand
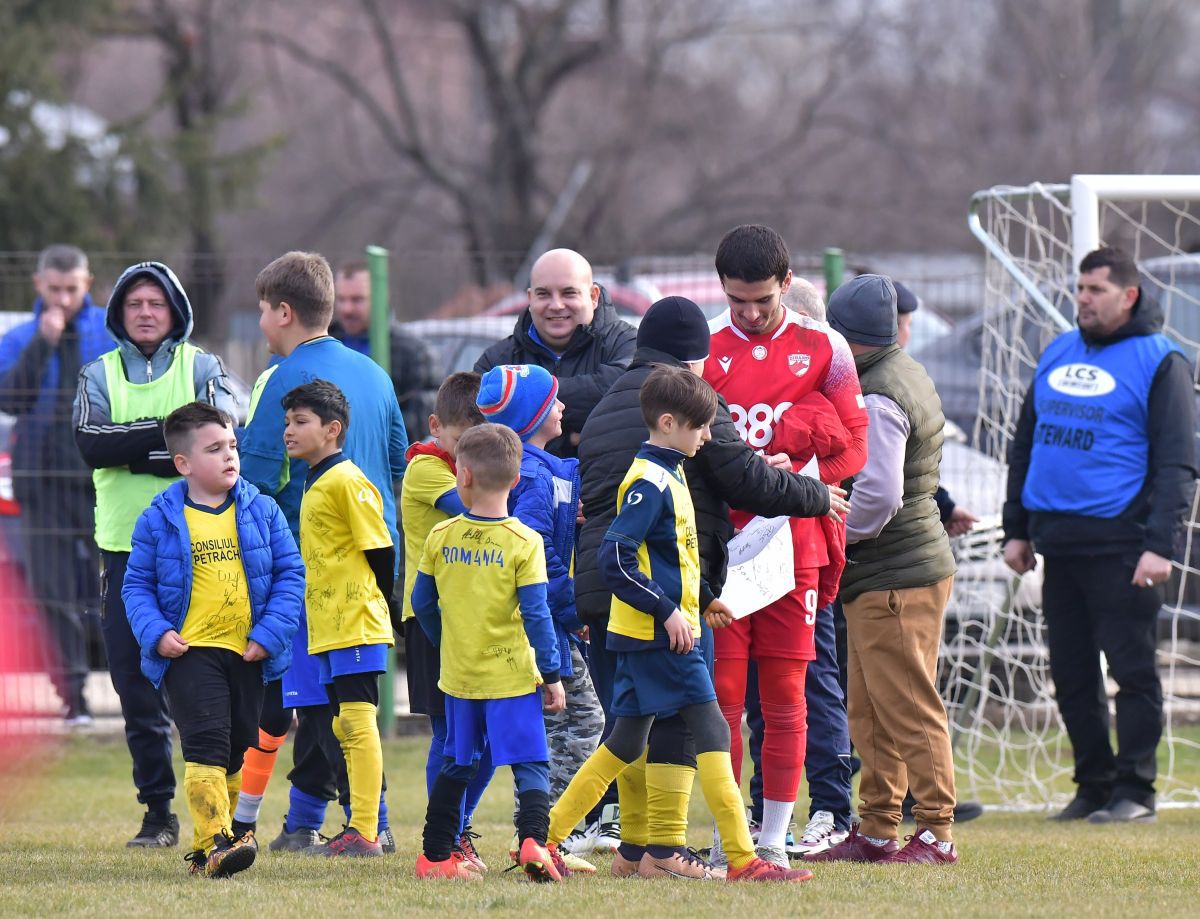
1152	569
1018	555
51	324
555	697
171	645
254	652
718	615
960	522
779	461
679	633
839	507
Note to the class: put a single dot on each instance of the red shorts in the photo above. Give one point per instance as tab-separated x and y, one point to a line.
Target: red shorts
783	629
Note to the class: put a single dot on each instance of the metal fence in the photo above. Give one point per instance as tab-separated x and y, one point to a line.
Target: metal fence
42	550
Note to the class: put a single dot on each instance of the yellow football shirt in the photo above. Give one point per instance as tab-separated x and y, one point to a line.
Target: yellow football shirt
218	613
426	479
341	517
478	566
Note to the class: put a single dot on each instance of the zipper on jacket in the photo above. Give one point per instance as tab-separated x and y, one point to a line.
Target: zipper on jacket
149	370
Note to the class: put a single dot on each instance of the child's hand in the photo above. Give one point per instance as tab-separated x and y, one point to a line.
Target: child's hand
254	652
171	645
839	507
679	633
718	615
556	697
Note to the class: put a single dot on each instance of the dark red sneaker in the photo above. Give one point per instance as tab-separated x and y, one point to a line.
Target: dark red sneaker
922	849
855	848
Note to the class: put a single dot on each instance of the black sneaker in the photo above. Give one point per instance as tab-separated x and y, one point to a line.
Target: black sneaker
156	833
387	841
1080	808
296	841
229	856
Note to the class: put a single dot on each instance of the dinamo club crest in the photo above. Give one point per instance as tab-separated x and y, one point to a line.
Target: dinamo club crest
799	363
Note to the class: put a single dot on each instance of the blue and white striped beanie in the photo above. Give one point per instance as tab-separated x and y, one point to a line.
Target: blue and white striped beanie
518	396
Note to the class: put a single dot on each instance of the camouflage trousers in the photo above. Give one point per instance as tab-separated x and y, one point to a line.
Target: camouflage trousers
574	733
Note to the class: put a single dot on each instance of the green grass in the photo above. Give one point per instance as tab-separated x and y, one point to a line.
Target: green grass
62	852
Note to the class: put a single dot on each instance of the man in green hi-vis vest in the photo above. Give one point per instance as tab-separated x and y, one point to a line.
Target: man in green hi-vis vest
119	408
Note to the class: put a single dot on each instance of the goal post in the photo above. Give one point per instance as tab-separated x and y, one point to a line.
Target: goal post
1010	745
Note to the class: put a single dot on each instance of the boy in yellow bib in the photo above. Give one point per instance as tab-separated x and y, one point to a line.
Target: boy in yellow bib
213	591
349	563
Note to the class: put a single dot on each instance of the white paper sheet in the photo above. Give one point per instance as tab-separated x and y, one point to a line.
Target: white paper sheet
765	571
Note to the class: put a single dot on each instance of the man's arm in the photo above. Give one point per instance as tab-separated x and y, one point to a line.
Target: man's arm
879	489
102	442
746	482
22	365
1171	425
397	442
264	459
1015	517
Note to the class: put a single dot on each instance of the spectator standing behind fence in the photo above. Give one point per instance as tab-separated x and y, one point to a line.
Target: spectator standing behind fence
39	363
570	328
413	369
1100	478
118	415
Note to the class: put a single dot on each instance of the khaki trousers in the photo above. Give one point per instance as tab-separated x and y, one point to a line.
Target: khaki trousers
897	719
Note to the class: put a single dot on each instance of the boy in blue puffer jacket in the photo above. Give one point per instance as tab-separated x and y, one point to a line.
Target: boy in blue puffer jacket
213	592
524	397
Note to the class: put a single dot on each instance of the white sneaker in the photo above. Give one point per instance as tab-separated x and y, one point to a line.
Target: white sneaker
581	842
608	831
716	855
820	834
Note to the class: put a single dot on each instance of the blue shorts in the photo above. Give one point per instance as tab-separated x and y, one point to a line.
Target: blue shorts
302	682
513	728
660	682
356	659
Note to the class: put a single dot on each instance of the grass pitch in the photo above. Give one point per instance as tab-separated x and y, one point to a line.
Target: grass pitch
62	853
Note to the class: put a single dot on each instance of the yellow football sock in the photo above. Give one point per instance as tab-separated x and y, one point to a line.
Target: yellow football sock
364	765
208	803
724	799
340	735
668	793
631	790
233	785
585	790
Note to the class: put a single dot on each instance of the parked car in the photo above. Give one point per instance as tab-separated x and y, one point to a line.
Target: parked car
457	343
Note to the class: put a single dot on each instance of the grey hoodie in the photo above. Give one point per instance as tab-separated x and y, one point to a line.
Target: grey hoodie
140	444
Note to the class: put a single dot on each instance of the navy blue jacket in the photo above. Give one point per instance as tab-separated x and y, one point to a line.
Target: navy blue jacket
158	580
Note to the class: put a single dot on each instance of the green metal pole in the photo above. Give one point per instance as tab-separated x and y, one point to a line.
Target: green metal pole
381	314
835	269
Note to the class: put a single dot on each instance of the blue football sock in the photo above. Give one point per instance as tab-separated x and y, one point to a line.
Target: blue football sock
304	811
383	815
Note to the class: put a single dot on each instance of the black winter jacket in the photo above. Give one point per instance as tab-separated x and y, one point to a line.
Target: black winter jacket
595	356
725	471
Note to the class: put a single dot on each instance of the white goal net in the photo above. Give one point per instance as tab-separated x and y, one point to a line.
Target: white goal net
1009	742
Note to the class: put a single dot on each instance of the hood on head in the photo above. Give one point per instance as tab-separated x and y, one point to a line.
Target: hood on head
181	328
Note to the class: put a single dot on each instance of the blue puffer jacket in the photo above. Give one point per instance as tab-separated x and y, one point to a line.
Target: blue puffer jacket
158	580
546	499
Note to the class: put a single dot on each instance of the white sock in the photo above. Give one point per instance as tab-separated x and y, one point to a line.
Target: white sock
777	816
247	808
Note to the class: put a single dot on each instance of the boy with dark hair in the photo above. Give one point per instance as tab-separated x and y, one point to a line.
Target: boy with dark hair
481	565
350	561
650	561
297	302
428	497
213	592
546	498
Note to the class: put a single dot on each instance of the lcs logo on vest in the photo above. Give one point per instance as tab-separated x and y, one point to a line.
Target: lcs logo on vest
1082	380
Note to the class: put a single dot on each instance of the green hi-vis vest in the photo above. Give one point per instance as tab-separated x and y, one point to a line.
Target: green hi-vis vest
121	495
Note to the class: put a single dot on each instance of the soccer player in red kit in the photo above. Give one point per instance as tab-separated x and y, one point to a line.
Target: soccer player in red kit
764	360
